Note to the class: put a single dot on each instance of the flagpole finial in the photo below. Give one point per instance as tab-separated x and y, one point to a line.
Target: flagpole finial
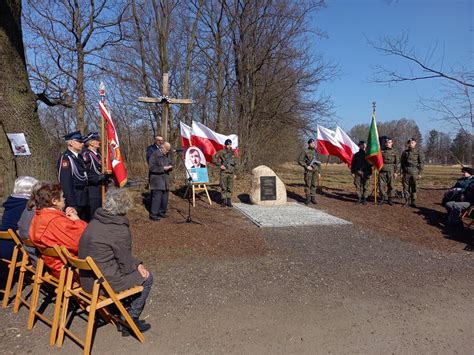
102	89
373	105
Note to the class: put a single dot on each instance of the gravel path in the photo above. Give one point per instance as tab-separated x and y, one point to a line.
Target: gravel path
317	290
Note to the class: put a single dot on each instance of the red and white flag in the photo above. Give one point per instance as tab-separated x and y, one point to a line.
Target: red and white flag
209	141
185	135
328	144
347	143
115	163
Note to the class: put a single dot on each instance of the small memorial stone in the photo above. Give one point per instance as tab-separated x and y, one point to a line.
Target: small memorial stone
267	189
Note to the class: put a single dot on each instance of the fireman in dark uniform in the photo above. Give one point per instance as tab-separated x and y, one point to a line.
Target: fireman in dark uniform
72	175
96	179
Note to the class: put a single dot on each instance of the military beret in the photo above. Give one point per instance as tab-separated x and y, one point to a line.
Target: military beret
388	138
76	135
311	140
411	140
467	169
92	136
227	142
361	142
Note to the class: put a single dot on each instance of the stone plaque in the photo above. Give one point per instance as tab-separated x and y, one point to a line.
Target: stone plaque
268	188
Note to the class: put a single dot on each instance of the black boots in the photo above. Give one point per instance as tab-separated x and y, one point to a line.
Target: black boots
359	200
313	200
390	202
308	200
364	201
226	202
141	325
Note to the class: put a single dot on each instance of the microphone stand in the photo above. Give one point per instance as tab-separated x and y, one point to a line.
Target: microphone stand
189	187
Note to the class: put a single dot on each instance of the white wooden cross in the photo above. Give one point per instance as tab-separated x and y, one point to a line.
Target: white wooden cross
166	101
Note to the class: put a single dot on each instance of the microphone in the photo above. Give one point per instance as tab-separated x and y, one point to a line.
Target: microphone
179	150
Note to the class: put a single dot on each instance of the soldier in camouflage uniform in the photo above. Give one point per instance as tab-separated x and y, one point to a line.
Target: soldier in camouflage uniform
411	167
389	171
361	171
312	169
228	163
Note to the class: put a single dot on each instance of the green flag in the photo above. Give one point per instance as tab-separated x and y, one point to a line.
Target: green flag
373	153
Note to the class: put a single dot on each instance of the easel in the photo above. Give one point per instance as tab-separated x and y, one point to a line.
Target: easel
198	187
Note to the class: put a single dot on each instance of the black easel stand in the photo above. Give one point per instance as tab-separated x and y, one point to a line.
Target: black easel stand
189	183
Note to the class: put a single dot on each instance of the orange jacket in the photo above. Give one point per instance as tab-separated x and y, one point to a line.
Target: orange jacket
51	227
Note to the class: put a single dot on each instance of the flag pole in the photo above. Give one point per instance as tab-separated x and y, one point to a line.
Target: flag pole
376	170
102	140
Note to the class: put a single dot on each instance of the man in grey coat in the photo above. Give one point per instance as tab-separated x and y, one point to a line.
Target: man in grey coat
160	168
108	241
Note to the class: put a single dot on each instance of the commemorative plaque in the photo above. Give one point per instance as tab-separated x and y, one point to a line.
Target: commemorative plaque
268	189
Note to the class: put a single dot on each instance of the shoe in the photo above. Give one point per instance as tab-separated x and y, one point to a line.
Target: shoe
382	200
162	215
307	201
364	201
224	203
313	200
413	205
229	203
359	200
390	202
141	325
154	218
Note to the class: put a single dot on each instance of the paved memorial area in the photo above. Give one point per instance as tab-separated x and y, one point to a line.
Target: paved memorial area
290	215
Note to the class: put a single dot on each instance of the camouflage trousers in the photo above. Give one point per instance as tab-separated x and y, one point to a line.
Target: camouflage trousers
409	187
386	182
362	183
227	184
310	183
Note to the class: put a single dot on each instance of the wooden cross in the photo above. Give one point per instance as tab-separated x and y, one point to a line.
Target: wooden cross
166	102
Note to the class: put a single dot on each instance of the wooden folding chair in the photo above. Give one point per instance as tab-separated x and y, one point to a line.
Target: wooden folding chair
12	264
467	217
102	295
41	277
26	267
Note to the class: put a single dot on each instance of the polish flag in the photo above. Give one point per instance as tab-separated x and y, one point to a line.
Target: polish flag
185	135
347	143
210	142
328	144
115	162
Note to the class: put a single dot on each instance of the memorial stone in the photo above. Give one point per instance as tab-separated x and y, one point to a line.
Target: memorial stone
267	189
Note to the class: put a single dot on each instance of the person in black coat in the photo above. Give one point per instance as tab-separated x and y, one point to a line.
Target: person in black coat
95	178
160	168
108	241
72	175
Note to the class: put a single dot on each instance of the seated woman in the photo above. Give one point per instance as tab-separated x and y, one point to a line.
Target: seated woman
51	226
108	241
14	206
462	199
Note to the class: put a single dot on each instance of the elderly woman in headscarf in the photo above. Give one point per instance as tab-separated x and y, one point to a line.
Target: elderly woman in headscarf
52	224
14	207
108	241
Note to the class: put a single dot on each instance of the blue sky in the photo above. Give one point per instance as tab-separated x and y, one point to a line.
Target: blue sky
447	25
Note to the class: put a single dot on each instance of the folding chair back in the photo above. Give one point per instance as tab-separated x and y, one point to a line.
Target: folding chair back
102	295
25	267
12	264
42	276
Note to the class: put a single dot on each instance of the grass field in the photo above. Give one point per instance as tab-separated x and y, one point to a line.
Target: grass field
338	175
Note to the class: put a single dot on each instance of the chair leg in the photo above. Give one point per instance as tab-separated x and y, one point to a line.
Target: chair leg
11	272
91	320
19	289
35	295
130	322
64	310
57	308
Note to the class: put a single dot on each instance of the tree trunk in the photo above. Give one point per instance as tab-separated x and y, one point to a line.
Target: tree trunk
18	110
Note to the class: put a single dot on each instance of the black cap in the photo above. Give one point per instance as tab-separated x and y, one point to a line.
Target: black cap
467	169
227	142
311	140
92	136
76	135
411	140
361	142
388	138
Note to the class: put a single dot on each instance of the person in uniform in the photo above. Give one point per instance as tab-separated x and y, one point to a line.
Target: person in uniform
72	175
227	161
96	179
154	147
160	168
361	171
312	170
411	167
389	172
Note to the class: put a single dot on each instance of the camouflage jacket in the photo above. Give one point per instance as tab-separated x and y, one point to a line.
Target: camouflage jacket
390	160
360	165
412	162
309	157
227	158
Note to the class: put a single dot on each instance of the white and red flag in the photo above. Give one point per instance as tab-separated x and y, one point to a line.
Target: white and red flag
115	163
328	144
209	141
347	143
185	135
